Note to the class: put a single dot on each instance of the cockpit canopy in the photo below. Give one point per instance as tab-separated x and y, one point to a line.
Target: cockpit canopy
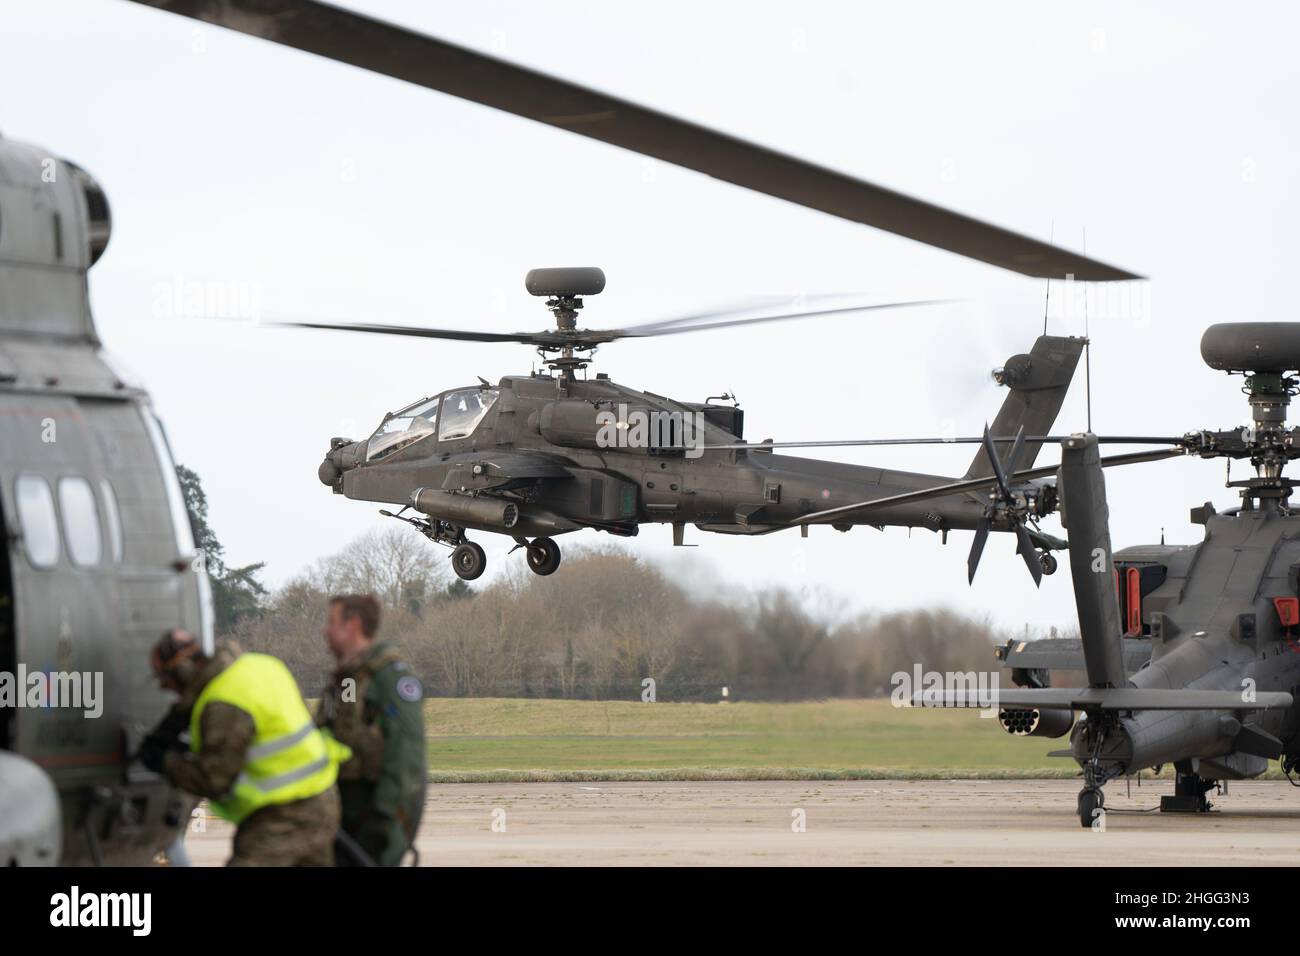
451	415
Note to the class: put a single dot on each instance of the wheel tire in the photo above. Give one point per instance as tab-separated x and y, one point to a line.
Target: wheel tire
468	561
1090	801
1048	562
543	556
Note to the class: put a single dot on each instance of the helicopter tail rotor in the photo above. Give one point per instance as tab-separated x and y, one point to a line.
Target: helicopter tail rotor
1005	506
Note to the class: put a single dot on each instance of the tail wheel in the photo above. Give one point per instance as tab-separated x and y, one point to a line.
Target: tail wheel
543	556
468	561
1048	562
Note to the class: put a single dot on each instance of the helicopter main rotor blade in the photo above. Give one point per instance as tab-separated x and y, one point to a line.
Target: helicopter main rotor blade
656	330
435	64
964	440
424	333
553	338
750	304
974	484
1087	520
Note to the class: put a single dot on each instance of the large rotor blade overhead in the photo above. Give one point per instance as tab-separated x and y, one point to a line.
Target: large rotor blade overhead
394	51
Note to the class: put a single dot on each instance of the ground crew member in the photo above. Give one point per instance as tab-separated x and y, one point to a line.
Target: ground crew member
374	707
254	751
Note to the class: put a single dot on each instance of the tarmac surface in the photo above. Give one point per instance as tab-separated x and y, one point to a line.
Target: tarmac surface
892	822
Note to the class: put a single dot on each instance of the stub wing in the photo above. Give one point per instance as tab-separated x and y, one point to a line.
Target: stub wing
1066	653
1107	698
496	469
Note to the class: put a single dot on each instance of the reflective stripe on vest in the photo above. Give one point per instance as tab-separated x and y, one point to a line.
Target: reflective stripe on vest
288	758
279	743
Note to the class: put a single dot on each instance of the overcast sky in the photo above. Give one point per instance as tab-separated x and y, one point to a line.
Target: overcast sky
295	186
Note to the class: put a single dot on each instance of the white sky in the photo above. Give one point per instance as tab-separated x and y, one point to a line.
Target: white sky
1166	132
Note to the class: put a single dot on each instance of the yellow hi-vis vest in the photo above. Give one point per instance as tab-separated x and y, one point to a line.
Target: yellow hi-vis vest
289	758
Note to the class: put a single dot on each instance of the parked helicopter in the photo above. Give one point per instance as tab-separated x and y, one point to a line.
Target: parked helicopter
1192	651
99	556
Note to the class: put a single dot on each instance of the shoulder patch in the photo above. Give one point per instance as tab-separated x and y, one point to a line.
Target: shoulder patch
409	689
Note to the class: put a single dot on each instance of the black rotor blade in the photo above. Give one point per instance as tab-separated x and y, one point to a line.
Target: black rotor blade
977	549
750	304
579	337
391	50
1013	459
424	333
1086	517
974	484
992	454
965	440
632	331
1025	548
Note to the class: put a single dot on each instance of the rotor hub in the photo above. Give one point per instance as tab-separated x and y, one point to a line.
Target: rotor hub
1265	353
563	289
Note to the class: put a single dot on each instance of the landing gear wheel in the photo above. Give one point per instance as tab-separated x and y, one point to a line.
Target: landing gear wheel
1091	800
1048	562
543	556
468	561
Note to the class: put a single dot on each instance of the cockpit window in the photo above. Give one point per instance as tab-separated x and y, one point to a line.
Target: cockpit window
463	410
405	427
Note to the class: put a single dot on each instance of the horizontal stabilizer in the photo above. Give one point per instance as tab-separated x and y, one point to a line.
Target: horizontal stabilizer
1106	698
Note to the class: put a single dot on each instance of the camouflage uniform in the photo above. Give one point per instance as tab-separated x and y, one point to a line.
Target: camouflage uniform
299	833
374	706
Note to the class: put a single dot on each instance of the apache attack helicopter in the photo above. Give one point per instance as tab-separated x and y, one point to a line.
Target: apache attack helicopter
1192	652
540	455
544	454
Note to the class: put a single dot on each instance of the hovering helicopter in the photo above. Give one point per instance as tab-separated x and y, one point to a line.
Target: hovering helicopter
541	455
1192	652
536	456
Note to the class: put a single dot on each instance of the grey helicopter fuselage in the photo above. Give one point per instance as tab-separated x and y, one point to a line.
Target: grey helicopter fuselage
642	485
1214	624
99	556
553	421
545	454
1192	653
